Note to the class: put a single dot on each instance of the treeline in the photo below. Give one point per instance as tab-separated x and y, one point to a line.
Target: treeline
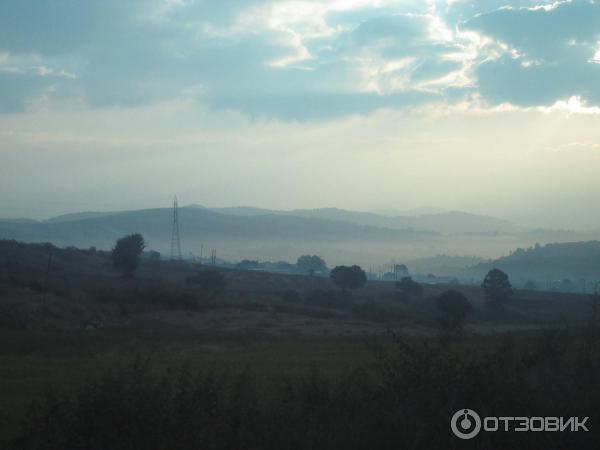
566	267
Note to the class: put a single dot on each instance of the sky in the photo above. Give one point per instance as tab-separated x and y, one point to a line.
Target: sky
485	106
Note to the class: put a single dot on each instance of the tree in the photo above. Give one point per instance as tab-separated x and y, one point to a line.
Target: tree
497	286
400	270
247	264
311	264
455	307
349	277
126	254
410	287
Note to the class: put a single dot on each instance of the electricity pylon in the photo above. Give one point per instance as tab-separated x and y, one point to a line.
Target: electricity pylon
175	240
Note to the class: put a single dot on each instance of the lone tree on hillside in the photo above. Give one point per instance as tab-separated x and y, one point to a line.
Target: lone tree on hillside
126	254
455	307
311	264
349	277
497	287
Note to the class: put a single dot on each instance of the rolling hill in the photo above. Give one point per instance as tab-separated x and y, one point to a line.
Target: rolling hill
340	236
452	222
199	225
551	263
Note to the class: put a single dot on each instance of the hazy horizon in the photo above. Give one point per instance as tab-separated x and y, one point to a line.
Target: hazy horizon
484	107
56	209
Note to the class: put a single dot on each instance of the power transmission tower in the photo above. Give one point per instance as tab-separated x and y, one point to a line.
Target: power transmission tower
175	240
213	257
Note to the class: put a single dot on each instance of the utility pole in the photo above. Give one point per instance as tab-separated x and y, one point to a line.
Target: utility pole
175	239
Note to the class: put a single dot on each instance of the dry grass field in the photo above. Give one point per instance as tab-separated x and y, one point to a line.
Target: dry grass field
80	320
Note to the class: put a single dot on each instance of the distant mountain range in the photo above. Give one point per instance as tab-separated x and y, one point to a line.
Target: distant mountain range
340	236
450	222
77	216
92	228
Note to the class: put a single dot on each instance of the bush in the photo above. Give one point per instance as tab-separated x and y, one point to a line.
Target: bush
455	307
409	286
211	280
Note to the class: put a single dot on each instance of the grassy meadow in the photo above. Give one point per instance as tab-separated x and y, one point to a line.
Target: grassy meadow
69	322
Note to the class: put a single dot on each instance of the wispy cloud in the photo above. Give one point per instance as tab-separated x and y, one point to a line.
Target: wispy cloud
575	147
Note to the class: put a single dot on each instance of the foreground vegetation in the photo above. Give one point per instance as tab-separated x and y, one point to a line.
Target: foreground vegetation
246	359
404	400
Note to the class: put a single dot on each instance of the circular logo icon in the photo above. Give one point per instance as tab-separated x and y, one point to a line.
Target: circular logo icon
465	423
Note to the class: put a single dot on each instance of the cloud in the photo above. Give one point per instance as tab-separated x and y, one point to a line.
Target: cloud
239	54
574	105
298	60
575	147
542	53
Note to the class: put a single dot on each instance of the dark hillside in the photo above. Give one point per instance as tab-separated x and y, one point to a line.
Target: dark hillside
550	263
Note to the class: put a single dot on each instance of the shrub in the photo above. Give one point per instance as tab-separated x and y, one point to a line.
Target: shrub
409	286
455	307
